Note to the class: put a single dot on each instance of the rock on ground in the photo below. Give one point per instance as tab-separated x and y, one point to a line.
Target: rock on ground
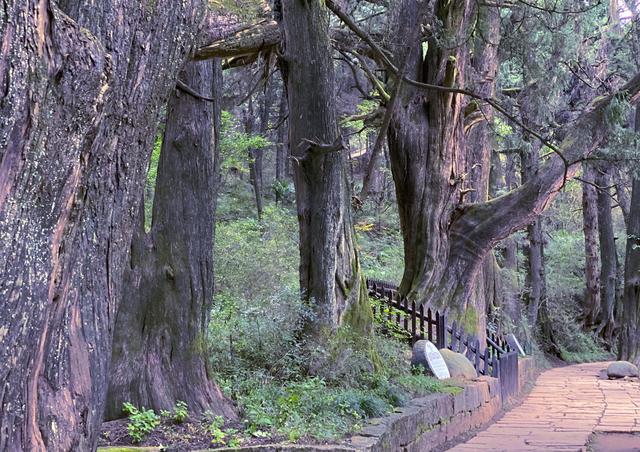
621	369
458	364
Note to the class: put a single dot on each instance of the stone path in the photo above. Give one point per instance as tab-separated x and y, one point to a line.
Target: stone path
566	405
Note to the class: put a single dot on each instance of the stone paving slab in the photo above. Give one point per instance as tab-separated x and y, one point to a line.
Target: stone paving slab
565	407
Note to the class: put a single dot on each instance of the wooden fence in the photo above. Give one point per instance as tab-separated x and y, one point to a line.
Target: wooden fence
496	359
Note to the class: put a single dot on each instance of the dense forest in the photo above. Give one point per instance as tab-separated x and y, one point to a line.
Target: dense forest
193	195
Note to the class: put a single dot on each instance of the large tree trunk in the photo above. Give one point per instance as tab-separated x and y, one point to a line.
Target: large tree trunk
428	157
445	238
159	346
330	276
608	257
591	303
478	122
630	323
535	285
80	95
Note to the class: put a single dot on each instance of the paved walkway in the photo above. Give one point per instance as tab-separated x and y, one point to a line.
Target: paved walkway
566	405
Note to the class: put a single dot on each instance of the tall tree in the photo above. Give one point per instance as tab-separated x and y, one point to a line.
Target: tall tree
445	237
426	144
80	93
478	119
630	320
535	286
330	276
282	160
591	304
255	159
608	256
159	346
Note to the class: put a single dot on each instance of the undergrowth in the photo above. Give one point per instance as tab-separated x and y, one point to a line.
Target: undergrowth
260	361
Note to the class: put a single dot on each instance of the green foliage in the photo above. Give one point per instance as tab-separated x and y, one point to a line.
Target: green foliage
385	317
501	128
565	286
215	429
565	264
141	421
257	307
180	412
213	426
364	108
380	243
235	144
246	10
283	189
382	255
150	184
259	357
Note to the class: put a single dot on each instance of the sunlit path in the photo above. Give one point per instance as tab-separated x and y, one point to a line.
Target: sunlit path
565	407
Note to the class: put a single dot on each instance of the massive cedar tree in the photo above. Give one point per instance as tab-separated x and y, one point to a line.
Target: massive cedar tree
81	86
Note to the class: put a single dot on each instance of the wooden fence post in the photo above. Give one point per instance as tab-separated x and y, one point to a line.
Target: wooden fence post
413	319
476	345
441	330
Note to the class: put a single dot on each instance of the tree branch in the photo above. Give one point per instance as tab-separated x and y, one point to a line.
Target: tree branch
445	89
182	86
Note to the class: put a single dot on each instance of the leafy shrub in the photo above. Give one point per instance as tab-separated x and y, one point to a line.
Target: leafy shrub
215	429
141	421
180	412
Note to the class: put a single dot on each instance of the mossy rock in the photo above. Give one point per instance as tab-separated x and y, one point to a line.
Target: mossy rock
458	364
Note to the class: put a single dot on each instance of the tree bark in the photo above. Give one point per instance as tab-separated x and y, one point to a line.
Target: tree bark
445	238
80	94
630	323
281	148
330	276
591	304
159	346
608	257
535	275
255	161
511	182
478	120
621	183
428	156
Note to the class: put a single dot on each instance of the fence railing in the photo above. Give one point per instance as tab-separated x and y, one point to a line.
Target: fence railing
496	359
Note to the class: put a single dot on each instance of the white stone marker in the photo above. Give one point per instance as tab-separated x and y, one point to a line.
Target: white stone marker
512	340
426	354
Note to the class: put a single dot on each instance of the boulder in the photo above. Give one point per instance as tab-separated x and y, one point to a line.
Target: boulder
621	369
427	356
458	364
